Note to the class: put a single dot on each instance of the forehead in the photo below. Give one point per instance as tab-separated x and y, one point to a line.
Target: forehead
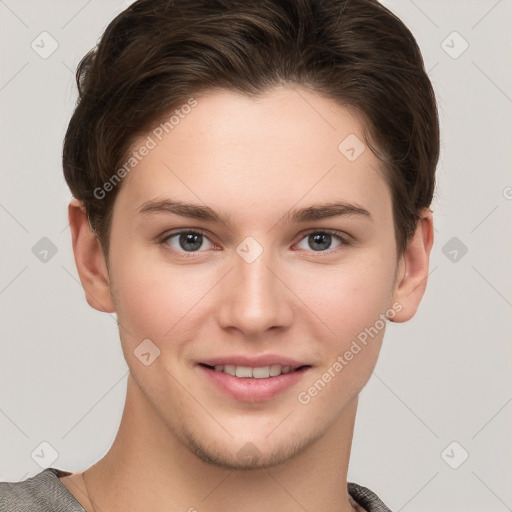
257	155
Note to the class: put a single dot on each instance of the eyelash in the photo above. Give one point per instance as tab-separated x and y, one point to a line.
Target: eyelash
342	237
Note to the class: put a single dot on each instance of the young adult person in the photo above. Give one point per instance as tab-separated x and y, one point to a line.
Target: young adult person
251	186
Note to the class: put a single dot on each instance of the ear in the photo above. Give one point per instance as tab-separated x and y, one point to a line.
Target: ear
412	271
89	259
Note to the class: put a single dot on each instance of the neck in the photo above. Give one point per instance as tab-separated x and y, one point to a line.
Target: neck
149	468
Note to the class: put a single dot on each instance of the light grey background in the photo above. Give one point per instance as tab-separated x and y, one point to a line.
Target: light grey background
445	376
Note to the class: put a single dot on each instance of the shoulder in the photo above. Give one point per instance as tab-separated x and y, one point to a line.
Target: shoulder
43	492
366	498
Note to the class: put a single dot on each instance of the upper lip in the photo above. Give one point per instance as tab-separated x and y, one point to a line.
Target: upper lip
253	361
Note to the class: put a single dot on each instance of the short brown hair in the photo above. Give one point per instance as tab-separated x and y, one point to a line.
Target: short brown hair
158	53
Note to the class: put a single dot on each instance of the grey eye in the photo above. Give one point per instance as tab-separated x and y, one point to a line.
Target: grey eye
188	241
320	241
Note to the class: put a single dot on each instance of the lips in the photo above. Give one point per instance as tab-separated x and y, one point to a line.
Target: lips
253	379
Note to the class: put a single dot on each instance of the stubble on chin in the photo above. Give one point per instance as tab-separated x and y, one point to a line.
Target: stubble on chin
248	457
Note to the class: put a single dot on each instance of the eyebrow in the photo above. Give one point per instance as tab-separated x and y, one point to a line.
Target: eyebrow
195	211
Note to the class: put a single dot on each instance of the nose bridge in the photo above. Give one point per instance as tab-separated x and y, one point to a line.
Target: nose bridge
254	298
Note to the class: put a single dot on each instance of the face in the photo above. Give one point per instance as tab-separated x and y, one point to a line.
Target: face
283	270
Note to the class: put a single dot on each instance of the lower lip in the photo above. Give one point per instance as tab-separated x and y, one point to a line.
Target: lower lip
253	390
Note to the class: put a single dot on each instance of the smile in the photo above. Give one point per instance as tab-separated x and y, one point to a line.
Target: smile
247	372
252	383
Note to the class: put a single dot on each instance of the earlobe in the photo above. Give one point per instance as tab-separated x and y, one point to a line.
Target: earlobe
413	269
89	259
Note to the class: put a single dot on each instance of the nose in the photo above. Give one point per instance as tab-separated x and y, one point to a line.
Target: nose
254	297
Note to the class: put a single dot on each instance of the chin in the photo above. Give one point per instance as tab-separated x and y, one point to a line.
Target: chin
248	456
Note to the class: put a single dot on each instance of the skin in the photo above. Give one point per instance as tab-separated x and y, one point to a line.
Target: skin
254	159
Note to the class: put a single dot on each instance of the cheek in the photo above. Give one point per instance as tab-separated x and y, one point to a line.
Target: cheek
352	297
155	299
352	306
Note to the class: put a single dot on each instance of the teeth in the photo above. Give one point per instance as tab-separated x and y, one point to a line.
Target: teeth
275	369
246	372
262	373
243	371
230	369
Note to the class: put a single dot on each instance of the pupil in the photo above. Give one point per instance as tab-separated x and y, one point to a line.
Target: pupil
190	238
323	239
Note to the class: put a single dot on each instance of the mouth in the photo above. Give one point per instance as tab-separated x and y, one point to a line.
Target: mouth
259	372
256	382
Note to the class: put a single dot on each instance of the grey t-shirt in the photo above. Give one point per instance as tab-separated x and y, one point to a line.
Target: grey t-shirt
44	492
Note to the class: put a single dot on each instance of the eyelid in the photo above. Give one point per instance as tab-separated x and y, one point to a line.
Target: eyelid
342	235
178	231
